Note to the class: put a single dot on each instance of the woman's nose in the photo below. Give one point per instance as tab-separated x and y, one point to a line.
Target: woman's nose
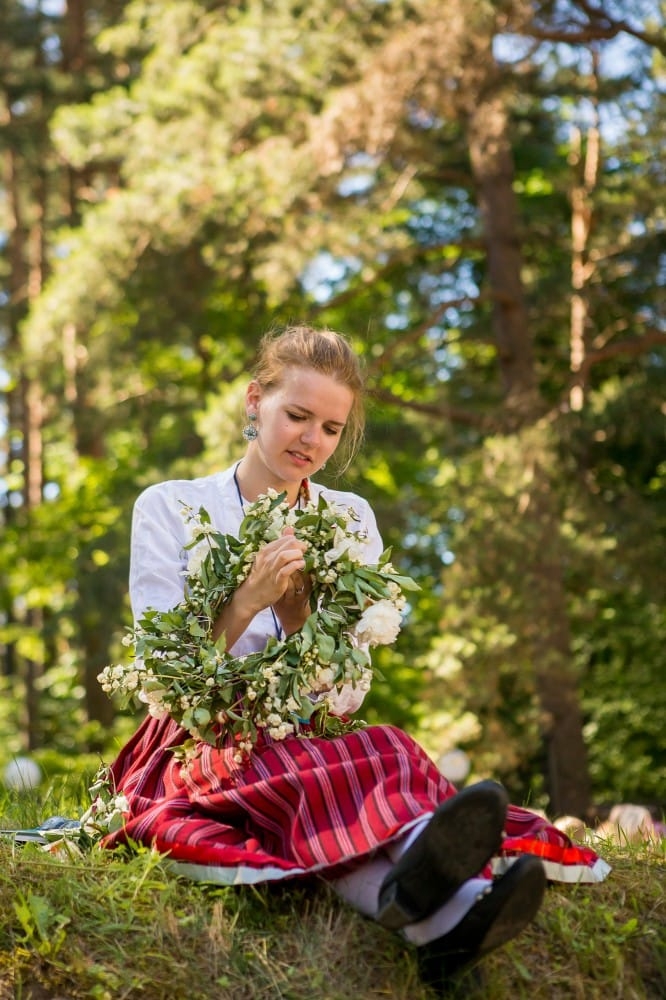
310	434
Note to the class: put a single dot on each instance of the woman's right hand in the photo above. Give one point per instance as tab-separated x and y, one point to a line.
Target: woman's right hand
271	576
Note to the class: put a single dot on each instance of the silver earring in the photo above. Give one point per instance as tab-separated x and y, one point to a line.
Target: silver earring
250	431
322	466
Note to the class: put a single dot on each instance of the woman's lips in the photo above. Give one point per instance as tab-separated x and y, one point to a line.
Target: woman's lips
300	457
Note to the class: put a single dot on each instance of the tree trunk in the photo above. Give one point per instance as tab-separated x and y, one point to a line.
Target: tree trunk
25	418
492	168
587	163
555	683
99	706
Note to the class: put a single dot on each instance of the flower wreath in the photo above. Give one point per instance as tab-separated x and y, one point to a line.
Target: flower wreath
177	668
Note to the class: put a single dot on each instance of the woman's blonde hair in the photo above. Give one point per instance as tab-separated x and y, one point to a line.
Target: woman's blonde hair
324	351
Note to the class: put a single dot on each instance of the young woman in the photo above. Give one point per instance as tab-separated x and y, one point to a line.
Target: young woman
367	810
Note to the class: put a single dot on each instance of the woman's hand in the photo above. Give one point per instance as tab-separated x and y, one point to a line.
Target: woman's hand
293	607
278	580
277	576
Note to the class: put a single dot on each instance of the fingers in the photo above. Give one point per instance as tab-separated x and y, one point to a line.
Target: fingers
301	584
287	556
293	607
277	567
288	573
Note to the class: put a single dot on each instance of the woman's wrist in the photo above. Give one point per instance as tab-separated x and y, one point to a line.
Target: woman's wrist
242	605
233	620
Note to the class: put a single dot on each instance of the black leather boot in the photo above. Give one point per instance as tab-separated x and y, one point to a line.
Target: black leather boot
500	914
459	840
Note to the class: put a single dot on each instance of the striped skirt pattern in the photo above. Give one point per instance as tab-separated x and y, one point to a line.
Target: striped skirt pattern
300	806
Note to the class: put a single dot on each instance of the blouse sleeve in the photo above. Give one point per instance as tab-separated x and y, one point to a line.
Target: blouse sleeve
369	526
157	555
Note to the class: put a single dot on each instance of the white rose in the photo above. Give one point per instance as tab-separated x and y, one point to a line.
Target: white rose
379	624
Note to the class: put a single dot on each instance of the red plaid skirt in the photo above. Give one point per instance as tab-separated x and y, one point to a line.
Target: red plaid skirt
300	806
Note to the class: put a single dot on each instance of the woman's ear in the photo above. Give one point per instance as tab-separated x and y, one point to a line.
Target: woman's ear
253	394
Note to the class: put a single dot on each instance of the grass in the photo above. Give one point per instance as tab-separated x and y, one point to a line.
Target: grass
106	926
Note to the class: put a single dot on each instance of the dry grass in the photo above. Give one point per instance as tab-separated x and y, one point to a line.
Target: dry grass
105	927
111	927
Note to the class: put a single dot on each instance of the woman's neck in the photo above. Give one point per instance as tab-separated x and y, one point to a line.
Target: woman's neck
254	481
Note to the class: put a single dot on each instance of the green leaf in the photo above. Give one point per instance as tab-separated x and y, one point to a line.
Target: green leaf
326	646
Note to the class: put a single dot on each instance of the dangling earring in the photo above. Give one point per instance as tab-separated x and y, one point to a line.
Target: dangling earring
250	431
322	466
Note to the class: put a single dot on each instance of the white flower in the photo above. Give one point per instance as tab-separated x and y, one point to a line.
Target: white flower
291	517
154	700
195	561
324	679
353	545
379	624
132	680
365	680
276	523
396	595
281	731
120	803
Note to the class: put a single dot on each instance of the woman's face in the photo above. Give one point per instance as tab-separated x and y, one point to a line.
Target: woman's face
299	423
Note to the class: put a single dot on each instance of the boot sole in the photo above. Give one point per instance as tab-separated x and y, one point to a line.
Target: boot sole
521	905
493	921
463	834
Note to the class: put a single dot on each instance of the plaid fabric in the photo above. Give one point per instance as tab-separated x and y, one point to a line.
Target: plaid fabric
298	806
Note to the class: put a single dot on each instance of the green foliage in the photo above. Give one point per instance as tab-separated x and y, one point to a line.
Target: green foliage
621	653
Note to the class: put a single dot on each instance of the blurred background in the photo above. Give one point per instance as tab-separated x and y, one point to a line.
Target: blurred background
474	192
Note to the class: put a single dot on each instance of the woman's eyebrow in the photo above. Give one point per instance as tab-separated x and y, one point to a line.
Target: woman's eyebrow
309	413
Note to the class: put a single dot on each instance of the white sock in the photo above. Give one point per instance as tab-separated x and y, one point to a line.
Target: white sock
360	888
447	916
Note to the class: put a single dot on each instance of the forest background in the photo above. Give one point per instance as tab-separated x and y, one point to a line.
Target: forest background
475	193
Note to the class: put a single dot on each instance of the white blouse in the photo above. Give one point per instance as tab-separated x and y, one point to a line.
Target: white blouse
158	559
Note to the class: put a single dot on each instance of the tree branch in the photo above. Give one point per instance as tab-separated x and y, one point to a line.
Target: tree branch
631	348
600	26
450	413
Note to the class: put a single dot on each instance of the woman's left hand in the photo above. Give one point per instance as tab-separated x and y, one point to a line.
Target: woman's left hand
293	607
